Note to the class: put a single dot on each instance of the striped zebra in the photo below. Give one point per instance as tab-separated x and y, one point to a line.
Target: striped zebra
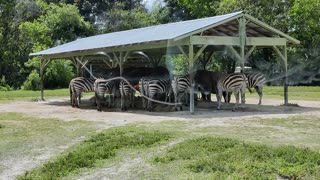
77	86
234	82
180	86
257	81
102	87
151	87
126	92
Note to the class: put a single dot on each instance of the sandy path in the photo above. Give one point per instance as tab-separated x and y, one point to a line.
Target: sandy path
206	115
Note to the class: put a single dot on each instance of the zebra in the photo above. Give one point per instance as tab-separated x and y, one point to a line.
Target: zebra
257	81
102	86
180	86
126	92
77	86
151	87
234	82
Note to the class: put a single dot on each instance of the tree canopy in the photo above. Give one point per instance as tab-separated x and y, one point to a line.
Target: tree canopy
32	25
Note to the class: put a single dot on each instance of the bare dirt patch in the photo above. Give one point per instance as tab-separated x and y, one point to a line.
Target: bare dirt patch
205	115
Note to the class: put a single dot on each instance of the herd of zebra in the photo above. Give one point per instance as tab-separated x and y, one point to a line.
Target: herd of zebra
155	83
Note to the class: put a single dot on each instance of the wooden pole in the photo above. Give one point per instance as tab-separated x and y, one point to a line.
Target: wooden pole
191	72
41	79
242	36
286	99
43	65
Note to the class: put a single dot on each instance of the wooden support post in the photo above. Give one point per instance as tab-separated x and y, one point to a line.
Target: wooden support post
121	60
286	99
242	36
283	55
43	65
191	72
84	66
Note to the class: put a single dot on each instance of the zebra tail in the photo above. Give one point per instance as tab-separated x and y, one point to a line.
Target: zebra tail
250	90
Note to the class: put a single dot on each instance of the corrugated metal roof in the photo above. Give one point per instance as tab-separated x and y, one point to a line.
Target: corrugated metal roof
223	25
134	36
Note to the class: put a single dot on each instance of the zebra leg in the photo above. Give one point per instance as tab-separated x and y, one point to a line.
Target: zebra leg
79	102
98	102
236	95
259	91
243	95
226	96
175	101
219	96
77	99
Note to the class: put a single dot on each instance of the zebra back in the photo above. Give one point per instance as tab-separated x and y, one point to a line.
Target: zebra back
81	84
124	88
157	86
180	84
255	79
102	86
232	81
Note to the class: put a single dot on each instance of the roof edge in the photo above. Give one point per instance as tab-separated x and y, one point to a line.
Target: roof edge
237	14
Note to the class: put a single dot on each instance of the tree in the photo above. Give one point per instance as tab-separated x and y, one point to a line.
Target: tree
58	23
304	25
200	8
119	18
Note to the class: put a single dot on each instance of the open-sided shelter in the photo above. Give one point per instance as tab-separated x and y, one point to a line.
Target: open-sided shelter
239	32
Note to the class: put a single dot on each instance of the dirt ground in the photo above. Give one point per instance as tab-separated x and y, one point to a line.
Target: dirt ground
60	108
206	112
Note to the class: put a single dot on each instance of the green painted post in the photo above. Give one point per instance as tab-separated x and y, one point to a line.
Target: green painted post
242	36
286	99
191	72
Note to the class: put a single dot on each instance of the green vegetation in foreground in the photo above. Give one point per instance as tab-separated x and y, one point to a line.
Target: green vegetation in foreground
30	136
295	92
222	158
95	150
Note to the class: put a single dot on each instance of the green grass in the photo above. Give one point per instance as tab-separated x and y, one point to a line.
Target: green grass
295	92
31	95
222	158
99	147
28	137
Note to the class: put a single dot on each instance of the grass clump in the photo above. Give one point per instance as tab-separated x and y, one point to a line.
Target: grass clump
98	148
228	158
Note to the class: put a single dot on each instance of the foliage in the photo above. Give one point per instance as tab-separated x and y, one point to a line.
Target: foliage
32	82
57	24
228	158
177	64
3	84
200	8
99	147
33	25
119	18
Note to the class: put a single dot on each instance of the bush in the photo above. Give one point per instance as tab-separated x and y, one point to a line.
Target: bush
32	82
3	84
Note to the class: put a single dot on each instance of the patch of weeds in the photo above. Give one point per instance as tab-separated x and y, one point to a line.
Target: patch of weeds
222	157
1	126
99	147
35	99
